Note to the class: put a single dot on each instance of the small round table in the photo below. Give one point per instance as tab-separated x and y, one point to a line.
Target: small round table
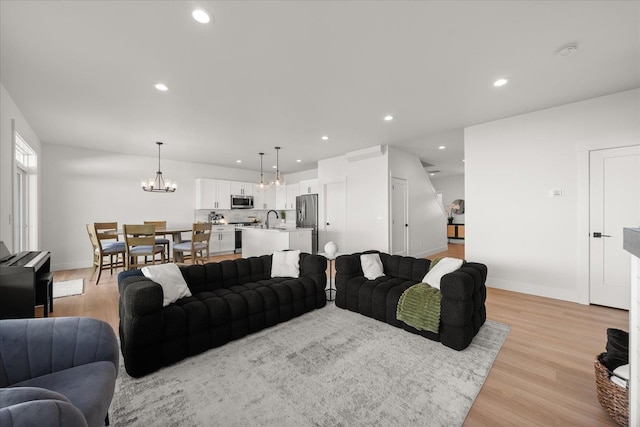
332	270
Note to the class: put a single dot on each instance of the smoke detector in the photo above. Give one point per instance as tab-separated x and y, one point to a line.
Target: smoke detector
567	50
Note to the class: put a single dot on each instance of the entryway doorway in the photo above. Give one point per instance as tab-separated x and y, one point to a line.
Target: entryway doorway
614	203
25	206
399	217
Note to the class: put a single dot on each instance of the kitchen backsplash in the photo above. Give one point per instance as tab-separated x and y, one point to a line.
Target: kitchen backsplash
243	215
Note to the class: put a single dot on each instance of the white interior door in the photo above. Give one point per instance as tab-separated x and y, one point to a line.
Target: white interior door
614	197
335	216
399	221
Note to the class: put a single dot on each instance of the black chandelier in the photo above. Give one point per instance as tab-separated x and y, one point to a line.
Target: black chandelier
159	185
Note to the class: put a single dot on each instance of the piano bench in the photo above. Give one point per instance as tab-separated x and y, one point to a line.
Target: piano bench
44	292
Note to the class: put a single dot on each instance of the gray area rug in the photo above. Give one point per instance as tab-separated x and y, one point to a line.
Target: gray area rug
330	367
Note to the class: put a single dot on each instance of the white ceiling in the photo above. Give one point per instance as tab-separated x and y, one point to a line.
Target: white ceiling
267	73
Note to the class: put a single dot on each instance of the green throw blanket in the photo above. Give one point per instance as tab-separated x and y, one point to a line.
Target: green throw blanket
419	306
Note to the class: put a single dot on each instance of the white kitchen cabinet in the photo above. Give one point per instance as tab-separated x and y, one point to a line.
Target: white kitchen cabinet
223	239
265	199
213	194
281	198
239	188
293	191
309	186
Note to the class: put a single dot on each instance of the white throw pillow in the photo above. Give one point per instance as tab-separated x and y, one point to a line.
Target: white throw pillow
170	278
371	266
444	266
285	264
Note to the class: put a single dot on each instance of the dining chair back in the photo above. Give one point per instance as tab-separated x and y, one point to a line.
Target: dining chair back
161	225
198	246
108	252
140	241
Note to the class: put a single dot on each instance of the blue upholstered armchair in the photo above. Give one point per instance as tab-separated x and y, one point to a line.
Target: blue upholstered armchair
56	371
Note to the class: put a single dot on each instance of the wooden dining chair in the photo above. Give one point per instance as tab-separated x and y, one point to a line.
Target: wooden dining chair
140	241
161	225
198	246
108	252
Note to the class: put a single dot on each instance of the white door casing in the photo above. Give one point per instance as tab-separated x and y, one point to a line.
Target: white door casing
614	203
335	226
399	220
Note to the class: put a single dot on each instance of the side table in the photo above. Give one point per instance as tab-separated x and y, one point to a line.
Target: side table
332	269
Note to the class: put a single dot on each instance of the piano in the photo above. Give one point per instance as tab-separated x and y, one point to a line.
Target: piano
19	274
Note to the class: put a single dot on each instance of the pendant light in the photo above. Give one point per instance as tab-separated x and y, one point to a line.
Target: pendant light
261	185
278	183
158	185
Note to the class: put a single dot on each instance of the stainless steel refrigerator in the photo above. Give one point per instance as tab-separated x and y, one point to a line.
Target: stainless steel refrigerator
307	217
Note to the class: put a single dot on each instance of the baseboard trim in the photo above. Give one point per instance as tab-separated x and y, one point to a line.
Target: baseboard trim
533	289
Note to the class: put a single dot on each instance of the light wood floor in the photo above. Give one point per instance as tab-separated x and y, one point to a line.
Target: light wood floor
543	375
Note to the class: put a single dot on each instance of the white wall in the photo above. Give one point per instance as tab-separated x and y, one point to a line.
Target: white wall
452	188
367	194
531	242
427	224
82	186
11	116
367	186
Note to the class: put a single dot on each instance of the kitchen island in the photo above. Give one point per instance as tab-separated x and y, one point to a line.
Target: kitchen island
263	241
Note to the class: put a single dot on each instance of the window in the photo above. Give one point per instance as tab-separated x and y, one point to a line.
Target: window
25	205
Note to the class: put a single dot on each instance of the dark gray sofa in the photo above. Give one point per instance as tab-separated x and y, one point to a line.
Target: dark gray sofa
230	299
462	308
56	371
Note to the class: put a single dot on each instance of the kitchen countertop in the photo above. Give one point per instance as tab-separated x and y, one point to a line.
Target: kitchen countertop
275	230
631	241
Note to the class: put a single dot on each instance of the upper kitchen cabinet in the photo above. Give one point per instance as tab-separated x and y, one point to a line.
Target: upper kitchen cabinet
293	191
213	194
309	186
242	188
265	199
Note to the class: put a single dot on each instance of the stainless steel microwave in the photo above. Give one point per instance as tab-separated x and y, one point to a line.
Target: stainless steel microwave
241	202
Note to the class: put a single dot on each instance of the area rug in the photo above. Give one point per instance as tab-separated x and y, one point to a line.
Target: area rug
68	288
330	367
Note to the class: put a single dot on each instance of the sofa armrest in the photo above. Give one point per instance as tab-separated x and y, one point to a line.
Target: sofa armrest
26	406
347	267
31	348
462	305
139	295
315	268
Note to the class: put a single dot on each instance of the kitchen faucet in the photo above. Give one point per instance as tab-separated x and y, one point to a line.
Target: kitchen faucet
268	217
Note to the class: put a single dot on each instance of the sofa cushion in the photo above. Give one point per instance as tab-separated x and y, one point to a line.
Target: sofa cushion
286	264
444	266
371	266
170	278
84	386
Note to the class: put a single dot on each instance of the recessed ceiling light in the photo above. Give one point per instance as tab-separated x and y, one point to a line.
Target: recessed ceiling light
162	87
325	137
299	161
501	82
432	173
442	147
238	161
201	16
388	118
275	166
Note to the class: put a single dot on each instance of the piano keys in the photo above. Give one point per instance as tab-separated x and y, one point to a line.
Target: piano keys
19	274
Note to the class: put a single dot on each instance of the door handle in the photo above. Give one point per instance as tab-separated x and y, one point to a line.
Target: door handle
598	235
406	225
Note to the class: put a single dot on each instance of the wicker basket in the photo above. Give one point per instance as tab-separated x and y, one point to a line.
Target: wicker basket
613	398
